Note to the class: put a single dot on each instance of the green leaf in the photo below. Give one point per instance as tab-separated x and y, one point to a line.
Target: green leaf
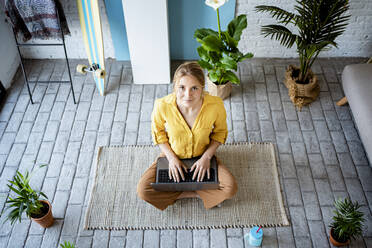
213	76
235	55
215	56
203	54
280	33
236	27
28	207
246	56
212	43
229	63
201	33
67	245
230	76
230	41
13	182
205	64
21	209
15	190
279	14
41	193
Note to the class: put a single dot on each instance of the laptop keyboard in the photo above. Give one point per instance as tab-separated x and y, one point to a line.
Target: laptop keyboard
164	177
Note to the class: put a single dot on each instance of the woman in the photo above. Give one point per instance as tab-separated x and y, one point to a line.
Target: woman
188	123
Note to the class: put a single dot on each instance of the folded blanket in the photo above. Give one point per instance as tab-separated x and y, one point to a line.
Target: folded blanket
36	18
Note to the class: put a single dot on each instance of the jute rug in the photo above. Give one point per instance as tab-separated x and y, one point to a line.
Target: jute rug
114	204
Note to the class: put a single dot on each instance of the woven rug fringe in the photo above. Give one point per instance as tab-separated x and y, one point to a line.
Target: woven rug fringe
184	227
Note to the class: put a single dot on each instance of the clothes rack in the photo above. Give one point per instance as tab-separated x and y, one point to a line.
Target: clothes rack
44	44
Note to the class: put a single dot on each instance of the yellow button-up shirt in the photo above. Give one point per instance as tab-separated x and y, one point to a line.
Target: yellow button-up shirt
168	125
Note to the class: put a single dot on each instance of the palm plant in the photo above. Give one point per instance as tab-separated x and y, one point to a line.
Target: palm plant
347	222
26	199
318	23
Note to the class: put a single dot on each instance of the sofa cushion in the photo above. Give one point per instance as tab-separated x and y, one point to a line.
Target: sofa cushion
357	84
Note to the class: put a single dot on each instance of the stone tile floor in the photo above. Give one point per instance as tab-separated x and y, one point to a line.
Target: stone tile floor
320	155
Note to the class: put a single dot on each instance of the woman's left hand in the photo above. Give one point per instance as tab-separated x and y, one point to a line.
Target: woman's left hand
200	167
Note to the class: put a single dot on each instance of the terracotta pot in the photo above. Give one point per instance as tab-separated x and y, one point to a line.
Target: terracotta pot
335	242
223	90
47	220
301	94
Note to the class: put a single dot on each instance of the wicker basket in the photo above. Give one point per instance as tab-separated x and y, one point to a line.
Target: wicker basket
301	94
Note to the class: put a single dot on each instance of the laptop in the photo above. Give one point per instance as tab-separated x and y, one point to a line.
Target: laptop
163	183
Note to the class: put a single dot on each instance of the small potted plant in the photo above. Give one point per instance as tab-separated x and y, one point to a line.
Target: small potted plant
347	222
219	53
317	25
28	200
67	244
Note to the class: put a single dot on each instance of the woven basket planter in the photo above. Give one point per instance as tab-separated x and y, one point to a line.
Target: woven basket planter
223	90
301	94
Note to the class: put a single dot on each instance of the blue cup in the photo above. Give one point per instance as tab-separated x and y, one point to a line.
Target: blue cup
255	238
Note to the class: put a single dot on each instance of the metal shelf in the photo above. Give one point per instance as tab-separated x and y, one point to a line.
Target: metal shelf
45	44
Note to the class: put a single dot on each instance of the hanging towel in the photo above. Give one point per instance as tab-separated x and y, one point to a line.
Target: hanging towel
36	18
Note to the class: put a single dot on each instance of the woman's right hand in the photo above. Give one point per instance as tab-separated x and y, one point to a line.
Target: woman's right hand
176	168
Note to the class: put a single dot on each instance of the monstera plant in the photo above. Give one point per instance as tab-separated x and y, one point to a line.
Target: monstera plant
316	26
219	53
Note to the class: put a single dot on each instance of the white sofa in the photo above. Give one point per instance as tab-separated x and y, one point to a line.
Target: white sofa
357	84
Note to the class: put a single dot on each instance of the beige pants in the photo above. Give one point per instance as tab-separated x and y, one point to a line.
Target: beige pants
212	197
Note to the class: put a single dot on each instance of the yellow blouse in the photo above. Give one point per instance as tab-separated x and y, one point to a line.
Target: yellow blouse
168	125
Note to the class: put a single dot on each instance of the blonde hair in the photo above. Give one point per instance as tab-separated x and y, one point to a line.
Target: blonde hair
189	69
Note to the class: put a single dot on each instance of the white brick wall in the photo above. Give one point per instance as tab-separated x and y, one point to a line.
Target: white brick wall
356	41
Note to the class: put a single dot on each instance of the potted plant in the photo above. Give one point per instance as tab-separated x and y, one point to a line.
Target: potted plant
28	200
347	222
317	25
67	244
219	53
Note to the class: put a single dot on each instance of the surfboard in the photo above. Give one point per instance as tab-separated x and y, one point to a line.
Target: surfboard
90	22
